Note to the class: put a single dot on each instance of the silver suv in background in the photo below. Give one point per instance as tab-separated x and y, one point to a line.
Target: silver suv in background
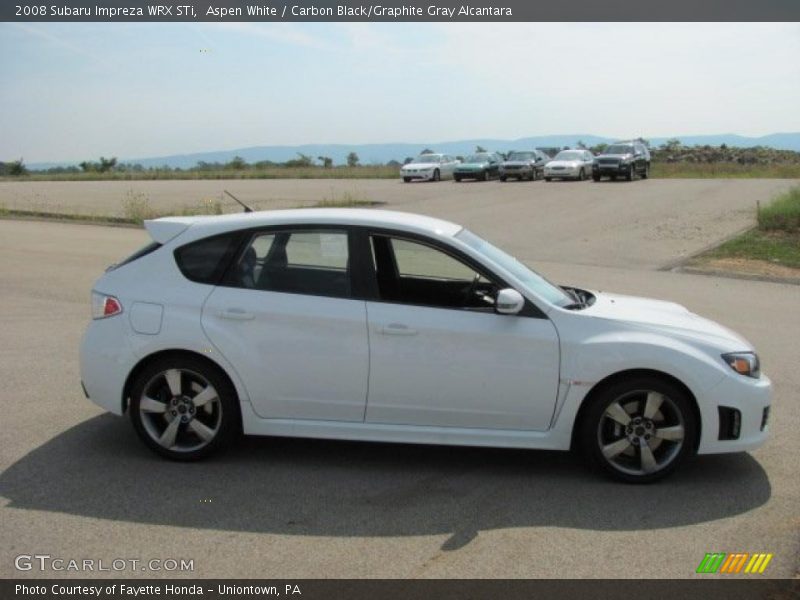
622	159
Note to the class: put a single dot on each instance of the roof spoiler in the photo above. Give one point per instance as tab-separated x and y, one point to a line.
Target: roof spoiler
163	230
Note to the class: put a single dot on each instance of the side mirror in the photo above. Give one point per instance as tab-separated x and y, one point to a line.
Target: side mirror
509	302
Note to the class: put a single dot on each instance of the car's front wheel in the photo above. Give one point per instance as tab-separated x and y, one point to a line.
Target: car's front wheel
639	430
184	408
437	176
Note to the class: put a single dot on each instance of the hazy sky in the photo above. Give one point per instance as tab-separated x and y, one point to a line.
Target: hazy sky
75	91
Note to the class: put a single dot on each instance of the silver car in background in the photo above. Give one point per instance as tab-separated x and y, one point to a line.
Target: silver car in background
523	164
429	167
570	164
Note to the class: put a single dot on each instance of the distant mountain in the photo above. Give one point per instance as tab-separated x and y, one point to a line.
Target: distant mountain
382	153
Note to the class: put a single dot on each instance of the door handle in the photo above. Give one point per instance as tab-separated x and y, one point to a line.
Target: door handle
236	314
397	329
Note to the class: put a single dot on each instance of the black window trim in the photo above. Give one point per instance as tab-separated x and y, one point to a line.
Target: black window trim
528	310
249	234
363	279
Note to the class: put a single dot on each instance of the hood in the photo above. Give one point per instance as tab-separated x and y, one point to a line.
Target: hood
666	317
420	165
563	163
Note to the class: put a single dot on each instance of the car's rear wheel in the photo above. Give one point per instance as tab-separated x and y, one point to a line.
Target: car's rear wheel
437	176
639	430
184	408
407	179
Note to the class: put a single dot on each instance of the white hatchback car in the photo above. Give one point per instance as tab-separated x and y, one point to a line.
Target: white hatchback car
385	326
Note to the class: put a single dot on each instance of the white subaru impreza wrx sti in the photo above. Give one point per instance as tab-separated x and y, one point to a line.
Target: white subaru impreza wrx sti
383	326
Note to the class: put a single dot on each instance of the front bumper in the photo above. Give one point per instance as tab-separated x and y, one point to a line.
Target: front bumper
619	169
524	171
469	174
562	173
418	175
750	397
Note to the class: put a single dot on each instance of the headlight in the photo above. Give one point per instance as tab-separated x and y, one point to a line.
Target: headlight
744	363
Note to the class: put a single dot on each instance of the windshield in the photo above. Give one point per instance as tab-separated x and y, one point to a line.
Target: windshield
522	156
428	158
619	149
569	155
477	158
532	280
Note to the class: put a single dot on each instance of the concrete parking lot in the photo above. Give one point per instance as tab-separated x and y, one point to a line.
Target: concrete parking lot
77	483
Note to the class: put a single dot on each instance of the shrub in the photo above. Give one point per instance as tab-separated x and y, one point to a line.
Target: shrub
783	213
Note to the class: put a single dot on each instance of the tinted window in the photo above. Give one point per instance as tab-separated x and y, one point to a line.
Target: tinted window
409	272
298	262
205	260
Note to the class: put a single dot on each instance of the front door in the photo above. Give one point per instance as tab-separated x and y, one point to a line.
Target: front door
441	356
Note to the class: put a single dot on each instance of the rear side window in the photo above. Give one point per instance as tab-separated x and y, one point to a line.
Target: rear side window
296	262
205	260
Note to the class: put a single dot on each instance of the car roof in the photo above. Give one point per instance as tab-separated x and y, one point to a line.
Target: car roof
166	228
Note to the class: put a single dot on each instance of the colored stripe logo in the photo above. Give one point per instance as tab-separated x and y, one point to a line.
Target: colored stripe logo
735	562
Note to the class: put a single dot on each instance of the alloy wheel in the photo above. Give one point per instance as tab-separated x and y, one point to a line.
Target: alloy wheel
180	410
641	432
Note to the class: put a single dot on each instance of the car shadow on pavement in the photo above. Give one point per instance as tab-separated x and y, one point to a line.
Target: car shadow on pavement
99	469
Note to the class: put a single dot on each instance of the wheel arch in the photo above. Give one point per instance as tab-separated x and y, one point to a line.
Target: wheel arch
599	387
161	354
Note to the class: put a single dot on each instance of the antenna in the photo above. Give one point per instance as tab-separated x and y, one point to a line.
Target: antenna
247	209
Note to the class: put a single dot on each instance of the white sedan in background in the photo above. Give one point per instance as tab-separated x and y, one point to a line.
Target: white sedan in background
570	164
429	167
384	326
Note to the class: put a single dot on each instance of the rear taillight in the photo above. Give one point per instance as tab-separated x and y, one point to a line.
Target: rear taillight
105	306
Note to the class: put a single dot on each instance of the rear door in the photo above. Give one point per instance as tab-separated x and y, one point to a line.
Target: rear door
286	319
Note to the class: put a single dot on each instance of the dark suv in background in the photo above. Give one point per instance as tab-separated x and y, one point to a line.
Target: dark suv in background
622	159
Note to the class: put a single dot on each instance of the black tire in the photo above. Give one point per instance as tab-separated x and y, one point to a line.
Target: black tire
595	177
534	174
613	177
437	176
485	176
456	178
407	179
600	433
631	174
582	175
219	416
646	173
548	179
503	178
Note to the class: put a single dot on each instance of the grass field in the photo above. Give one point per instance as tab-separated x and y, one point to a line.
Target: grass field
776	239
724	170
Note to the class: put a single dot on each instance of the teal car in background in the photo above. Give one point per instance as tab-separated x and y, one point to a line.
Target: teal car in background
481	166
